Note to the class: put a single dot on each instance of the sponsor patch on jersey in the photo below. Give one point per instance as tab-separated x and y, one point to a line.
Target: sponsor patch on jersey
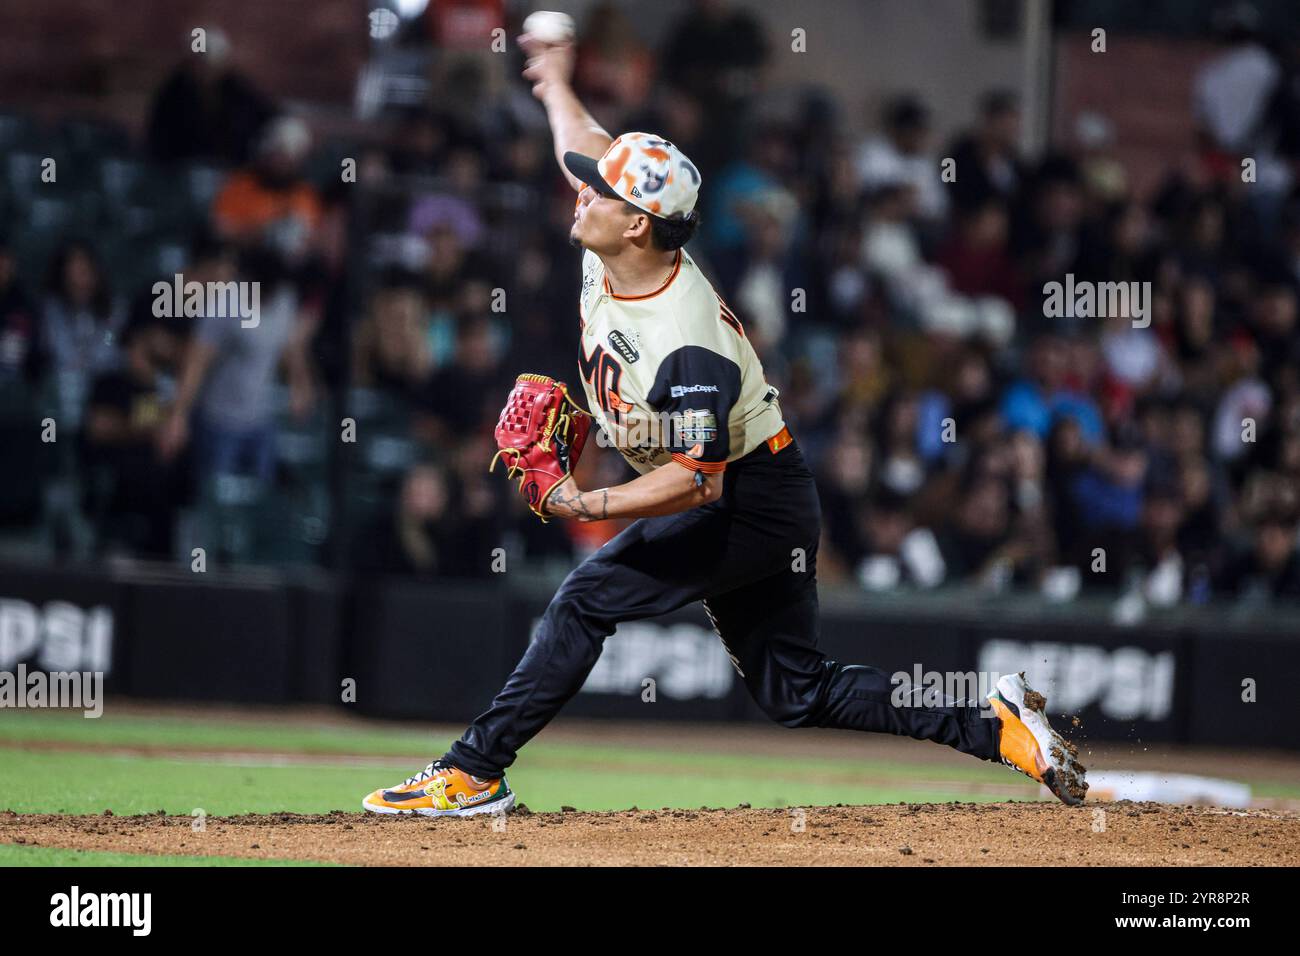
695	425
625	345
677	391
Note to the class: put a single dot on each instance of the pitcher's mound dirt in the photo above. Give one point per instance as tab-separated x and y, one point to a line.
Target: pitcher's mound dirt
1123	834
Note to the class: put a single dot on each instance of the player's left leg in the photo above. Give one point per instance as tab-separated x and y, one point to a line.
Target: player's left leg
770	630
654	566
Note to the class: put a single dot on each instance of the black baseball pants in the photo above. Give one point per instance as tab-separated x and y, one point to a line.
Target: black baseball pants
751	557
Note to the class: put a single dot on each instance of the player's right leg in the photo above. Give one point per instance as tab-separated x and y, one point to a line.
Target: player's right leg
1027	742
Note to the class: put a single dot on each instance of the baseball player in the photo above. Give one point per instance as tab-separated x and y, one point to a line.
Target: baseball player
727	511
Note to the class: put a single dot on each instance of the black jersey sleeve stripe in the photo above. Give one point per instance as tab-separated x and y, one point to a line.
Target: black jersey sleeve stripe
697	389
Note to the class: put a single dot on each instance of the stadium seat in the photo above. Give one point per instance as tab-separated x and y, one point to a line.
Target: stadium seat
292	526
119	177
23	172
226	518
17	131
92	137
22	481
202	182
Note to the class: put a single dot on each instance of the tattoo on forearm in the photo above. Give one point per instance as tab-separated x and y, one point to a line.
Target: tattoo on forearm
582	504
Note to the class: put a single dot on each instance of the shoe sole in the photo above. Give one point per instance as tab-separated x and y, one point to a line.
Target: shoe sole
1064	776
504	805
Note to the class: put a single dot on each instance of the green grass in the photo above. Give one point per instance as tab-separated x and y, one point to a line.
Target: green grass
245	770
85	779
549	776
133	730
11	855
138	730
37	782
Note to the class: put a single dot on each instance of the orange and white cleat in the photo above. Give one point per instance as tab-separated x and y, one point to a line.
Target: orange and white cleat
1028	743
440	790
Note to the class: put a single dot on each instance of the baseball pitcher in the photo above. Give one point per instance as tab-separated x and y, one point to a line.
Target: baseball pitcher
727	511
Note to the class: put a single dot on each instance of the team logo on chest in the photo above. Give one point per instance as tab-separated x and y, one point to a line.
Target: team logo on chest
626	344
602	375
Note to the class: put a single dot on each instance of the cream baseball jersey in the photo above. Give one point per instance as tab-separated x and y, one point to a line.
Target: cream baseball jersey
670	375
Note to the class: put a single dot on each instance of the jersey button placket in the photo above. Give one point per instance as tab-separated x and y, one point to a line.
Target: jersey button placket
589	328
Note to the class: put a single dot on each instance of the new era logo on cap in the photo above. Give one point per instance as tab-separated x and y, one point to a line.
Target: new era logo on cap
645	170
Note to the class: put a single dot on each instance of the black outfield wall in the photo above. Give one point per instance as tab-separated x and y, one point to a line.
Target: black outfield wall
400	648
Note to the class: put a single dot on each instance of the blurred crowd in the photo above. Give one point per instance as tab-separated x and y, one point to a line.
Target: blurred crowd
959	435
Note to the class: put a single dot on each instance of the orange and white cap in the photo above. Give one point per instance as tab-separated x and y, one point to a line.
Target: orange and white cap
643	169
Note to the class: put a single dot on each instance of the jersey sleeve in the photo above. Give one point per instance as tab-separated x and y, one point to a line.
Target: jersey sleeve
696	388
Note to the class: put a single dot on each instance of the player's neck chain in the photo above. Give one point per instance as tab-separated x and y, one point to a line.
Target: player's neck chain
672	267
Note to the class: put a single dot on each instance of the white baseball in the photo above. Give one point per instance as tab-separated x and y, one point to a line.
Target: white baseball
549	26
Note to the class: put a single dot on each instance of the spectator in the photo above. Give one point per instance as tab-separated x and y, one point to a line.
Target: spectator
411	537
440	523
1107	496
80	322
976	541
1051	241
896	552
226	383
1067	457
1231	91
758	277
392	347
899	156
714	54
1194	346
976	257
1157	556
134	496
268	208
613	70
206	109
1272	322
1104	176
755	174
845	477
1270	568
901	468
451	241
987	159
20	346
1033	402
464	397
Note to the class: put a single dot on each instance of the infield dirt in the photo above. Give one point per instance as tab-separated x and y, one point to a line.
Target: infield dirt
1124	834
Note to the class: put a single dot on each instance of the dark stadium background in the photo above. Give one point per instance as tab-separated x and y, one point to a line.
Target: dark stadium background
414	294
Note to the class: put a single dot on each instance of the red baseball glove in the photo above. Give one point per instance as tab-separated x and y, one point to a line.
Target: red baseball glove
540	436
